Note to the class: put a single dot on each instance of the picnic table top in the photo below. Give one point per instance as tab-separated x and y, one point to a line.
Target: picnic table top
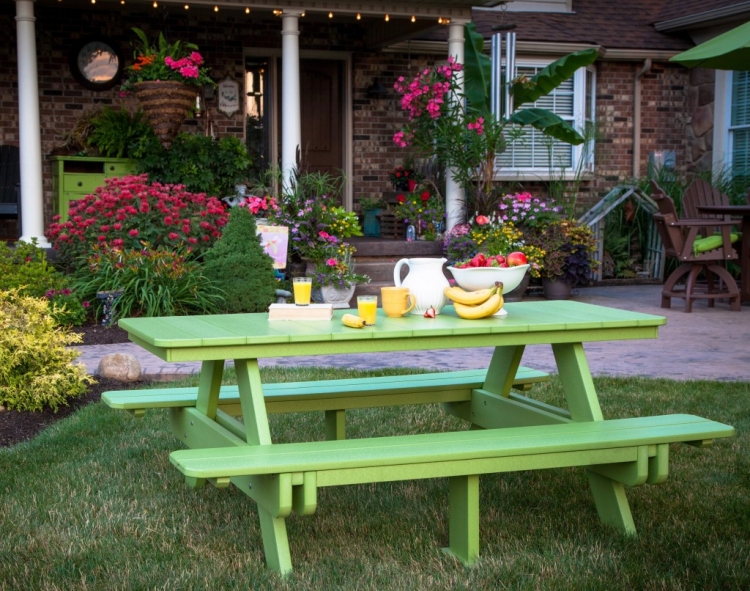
226	330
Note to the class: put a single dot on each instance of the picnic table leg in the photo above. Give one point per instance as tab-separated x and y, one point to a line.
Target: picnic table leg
583	404
273	529
502	370
463	525
275	542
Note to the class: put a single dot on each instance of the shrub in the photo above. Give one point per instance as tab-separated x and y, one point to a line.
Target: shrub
25	267
36	369
154	282
203	164
240	267
129	210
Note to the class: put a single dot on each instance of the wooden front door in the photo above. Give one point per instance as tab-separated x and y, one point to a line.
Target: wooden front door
322	115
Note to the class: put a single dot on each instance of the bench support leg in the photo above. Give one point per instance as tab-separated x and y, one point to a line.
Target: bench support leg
275	542
611	503
464	518
335	424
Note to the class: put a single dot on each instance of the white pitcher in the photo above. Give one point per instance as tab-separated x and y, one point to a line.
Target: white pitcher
426	281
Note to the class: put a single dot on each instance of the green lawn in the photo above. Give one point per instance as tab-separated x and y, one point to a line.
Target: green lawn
93	503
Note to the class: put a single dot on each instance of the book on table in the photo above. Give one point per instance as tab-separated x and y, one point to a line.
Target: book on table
295	312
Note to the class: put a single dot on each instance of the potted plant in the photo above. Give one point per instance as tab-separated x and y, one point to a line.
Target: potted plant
371	208
404	178
165	77
333	275
568	247
423	210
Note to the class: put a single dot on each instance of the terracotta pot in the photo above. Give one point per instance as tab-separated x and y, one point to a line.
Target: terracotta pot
556	290
166	104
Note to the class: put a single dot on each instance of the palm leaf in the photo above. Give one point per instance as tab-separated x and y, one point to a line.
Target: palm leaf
477	71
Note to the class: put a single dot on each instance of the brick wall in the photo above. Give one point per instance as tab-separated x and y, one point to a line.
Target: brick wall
666	98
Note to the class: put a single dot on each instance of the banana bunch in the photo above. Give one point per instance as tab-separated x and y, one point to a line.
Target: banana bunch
476	304
352	321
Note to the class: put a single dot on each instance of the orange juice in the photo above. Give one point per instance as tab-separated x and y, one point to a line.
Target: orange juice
367	308
302	290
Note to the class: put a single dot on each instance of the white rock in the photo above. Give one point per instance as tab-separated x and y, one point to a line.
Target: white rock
123	367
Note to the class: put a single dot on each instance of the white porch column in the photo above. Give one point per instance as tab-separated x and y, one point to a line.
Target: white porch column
291	137
29	131
455	206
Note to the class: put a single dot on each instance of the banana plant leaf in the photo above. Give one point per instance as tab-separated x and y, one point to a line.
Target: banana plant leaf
549	78
548	123
477	72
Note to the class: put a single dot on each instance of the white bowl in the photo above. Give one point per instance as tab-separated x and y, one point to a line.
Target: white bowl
474	278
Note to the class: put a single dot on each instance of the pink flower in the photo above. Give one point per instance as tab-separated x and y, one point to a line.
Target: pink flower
173	236
133	233
482	220
331	262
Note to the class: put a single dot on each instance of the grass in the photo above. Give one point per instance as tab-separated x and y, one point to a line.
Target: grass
93	503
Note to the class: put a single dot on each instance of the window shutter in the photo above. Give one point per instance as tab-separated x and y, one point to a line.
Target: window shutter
740	123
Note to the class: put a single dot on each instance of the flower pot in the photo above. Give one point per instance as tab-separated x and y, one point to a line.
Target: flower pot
371	225
330	294
166	104
556	289
516	294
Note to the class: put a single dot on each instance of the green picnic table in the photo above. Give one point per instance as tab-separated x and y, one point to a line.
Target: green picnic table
509	430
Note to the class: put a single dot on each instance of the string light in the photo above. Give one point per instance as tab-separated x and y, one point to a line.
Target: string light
216	9
413	18
122	1
277	12
330	15
156	5
387	17
93	1
247	10
359	16
187	6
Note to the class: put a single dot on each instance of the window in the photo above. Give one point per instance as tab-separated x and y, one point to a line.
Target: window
533	152
739	124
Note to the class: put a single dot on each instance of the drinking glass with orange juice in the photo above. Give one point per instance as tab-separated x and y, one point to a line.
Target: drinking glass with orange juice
367	308
302	287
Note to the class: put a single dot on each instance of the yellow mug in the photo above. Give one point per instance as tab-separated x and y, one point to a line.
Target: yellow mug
396	301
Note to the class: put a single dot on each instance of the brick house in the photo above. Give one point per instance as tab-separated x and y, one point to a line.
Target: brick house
639	102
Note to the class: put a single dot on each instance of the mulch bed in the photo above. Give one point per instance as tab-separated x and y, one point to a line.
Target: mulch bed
16	427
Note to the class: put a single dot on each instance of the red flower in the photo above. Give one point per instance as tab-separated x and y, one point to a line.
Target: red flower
400	198
425	195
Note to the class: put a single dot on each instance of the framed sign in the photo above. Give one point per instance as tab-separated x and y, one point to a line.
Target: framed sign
229	97
275	241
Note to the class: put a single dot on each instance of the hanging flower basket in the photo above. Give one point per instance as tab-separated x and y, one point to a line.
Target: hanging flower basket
166	104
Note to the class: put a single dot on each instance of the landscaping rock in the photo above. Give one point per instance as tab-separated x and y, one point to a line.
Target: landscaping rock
122	367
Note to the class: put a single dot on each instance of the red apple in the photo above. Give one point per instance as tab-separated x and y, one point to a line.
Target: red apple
479	260
500	259
516	258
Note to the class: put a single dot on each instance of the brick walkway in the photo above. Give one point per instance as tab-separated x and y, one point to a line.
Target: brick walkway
709	343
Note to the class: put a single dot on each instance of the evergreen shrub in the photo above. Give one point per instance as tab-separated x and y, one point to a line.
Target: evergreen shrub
36	361
239	266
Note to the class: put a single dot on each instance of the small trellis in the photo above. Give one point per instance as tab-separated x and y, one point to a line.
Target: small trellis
653	264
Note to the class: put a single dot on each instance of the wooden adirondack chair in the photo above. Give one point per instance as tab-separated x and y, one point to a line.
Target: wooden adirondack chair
698	193
682	240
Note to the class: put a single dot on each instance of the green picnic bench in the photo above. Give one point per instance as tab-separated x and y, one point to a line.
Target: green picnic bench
631	451
333	397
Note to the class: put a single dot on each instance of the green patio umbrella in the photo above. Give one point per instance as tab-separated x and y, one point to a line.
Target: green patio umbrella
728	51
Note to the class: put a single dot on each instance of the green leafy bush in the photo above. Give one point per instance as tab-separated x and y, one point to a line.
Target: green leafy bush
36	363
117	134
201	163
240	267
154	282
25	267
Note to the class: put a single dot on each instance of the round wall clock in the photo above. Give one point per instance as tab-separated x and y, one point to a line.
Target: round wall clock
96	63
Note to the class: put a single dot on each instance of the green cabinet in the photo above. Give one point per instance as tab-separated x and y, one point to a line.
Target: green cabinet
74	177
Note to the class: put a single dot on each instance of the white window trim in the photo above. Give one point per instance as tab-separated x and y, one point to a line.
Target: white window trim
579	113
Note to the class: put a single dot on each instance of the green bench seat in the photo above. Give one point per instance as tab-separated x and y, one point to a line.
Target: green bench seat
630	451
332	396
